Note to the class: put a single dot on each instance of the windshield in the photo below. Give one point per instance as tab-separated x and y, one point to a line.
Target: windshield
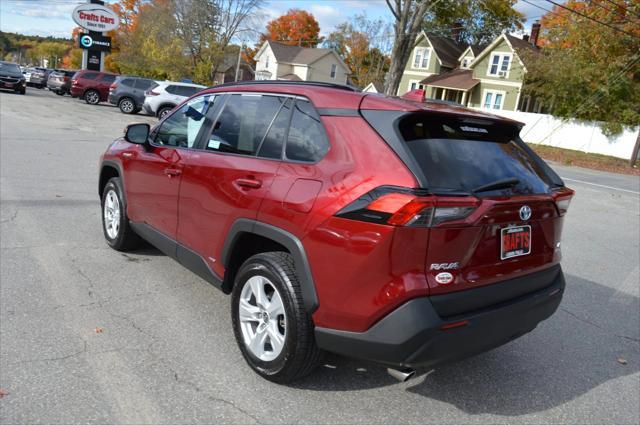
458	154
10	67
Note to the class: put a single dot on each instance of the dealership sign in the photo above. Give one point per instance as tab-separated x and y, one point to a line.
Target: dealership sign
94	42
95	17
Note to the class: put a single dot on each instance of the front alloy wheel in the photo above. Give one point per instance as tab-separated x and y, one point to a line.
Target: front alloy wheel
111	214
263	320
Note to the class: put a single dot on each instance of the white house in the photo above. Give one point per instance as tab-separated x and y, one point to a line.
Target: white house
277	61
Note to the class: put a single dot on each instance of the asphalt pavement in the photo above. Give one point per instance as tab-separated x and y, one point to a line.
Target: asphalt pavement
88	334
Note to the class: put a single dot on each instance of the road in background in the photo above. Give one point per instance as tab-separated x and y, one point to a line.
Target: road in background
88	334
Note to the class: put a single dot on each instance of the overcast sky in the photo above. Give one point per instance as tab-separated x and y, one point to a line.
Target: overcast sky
53	17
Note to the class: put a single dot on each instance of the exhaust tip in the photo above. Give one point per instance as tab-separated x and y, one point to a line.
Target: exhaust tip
402	375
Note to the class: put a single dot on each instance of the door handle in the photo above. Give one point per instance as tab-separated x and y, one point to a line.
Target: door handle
172	172
249	183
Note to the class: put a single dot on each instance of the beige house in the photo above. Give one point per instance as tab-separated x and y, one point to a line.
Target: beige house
277	61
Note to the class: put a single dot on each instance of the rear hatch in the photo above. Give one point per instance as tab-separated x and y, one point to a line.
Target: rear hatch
492	206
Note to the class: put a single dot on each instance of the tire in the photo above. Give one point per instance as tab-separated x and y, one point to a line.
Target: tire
296	355
164	111
59	93
23	92
92	97
115	224
127	105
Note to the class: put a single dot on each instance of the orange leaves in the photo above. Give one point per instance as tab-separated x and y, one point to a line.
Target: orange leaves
296	27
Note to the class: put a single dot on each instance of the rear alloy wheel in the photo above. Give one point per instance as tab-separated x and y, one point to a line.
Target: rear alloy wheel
92	97
127	106
164	111
272	328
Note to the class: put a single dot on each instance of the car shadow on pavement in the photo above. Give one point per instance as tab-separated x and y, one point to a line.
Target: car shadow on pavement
592	339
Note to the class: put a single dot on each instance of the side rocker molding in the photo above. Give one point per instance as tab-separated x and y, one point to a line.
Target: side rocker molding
189	259
284	238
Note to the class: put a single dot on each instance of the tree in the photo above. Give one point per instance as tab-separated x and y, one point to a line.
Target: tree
361	42
473	21
408	16
296	27
587	70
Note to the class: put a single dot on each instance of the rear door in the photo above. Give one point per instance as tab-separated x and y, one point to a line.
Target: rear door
225	179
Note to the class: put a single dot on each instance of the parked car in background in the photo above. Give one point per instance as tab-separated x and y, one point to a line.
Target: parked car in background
92	86
37	77
128	93
165	95
59	81
11	77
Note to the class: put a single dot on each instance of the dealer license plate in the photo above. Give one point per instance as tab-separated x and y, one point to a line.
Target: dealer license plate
515	241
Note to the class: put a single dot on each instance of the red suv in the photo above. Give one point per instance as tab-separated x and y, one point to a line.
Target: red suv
92	86
405	233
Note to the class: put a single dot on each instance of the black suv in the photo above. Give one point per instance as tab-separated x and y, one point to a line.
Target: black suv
11	77
128	93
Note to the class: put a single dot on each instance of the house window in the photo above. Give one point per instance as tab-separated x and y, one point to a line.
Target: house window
413	86
466	61
493	99
421	58
334	67
499	64
266	62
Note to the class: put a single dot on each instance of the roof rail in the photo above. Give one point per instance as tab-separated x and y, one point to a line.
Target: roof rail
289	83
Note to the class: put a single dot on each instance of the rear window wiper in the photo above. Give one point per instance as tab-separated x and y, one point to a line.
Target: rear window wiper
495	185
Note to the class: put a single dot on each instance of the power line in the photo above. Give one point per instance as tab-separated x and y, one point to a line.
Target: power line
592	19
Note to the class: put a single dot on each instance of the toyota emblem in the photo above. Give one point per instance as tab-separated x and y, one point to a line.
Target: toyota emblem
525	213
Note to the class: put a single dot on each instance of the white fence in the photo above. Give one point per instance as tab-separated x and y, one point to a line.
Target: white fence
573	134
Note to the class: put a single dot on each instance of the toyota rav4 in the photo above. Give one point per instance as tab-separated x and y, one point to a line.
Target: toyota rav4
405	233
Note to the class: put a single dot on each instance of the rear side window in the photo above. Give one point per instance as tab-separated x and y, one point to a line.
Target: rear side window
89	75
274	139
106	78
243	122
173	90
143	84
460	154
129	82
188	91
307	140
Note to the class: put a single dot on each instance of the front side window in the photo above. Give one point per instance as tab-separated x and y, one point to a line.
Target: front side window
182	127
243	122
307	140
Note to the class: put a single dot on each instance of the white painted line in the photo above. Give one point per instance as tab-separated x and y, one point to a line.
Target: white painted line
601	185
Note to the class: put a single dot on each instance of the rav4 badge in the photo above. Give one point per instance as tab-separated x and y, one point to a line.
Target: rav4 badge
444	278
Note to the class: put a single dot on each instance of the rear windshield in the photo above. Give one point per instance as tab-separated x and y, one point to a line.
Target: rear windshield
458	154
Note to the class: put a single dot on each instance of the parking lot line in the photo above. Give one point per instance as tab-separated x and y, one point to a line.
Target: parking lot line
602	185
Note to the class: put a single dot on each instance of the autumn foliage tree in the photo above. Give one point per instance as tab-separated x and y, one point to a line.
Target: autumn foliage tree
588	70
296	27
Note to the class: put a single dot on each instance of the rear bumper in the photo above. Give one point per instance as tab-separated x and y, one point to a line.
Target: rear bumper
412	335
112	99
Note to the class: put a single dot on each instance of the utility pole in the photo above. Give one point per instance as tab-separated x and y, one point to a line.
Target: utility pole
238	62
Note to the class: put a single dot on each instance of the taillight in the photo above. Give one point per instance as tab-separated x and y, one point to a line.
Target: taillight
407	207
562	198
151	93
113	86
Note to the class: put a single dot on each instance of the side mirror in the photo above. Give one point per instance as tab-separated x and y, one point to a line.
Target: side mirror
137	133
